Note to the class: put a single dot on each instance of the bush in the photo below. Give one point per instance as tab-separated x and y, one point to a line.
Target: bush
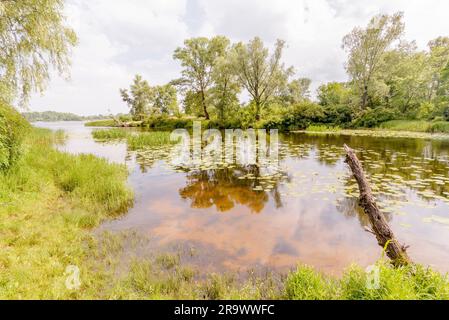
163	122
439	126
373	117
13	128
338	114
302	115
406	125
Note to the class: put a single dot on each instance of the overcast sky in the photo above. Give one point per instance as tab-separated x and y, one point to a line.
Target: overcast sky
119	38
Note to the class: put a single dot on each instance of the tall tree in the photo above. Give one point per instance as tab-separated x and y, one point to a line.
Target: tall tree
198	58
366	48
145	100
33	38
225	89
296	91
259	73
438	59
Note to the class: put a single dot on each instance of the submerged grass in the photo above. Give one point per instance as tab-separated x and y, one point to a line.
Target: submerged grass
149	139
110	134
135	140
101	123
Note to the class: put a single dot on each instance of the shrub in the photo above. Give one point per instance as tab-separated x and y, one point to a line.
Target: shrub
338	114
108	134
13	128
373	117
439	126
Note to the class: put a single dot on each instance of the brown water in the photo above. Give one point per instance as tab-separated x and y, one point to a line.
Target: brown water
234	218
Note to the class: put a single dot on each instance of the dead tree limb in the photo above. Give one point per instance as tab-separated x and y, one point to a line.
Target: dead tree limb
380	228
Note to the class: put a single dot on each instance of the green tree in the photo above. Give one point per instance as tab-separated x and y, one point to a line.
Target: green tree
225	89
145	100
366	48
137	97
438	59
333	94
296	91
198	58
259	73
164	100
33	38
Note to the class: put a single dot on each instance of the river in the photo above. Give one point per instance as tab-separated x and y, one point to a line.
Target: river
229	219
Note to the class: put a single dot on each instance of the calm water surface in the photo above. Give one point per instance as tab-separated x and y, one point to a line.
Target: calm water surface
237	218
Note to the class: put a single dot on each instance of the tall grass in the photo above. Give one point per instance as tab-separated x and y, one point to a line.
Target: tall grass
149	139
101	123
48	202
406	283
322	128
407	125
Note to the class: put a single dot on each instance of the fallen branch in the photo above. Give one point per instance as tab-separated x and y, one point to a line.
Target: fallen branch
380	228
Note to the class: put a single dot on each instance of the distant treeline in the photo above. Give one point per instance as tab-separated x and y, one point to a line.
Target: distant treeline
60	116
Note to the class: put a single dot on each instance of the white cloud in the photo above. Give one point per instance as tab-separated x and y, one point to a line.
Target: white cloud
121	38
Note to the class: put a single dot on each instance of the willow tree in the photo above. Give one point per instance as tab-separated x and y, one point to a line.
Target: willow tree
260	73
198	58
366	48
33	38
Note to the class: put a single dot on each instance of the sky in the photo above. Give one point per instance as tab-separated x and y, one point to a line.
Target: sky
121	38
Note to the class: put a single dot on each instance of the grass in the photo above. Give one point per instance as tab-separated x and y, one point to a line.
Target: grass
407	283
149	139
50	201
135	141
407	125
110	134
101	123
322	128
417	126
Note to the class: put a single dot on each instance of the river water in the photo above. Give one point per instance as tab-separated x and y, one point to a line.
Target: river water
234	218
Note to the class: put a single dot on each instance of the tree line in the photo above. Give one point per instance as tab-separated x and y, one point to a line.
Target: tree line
389	78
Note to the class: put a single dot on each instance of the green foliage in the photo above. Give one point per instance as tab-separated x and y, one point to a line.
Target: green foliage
406	283
149	139
199	58
439	127
366	48
322	128
108	134
167	123
370	118
406	125
33	38
13	128
58	116
144	100
102	123
259	73
49	200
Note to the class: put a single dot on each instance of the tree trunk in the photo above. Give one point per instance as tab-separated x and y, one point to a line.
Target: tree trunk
364	97
380	228
257	110
203	102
